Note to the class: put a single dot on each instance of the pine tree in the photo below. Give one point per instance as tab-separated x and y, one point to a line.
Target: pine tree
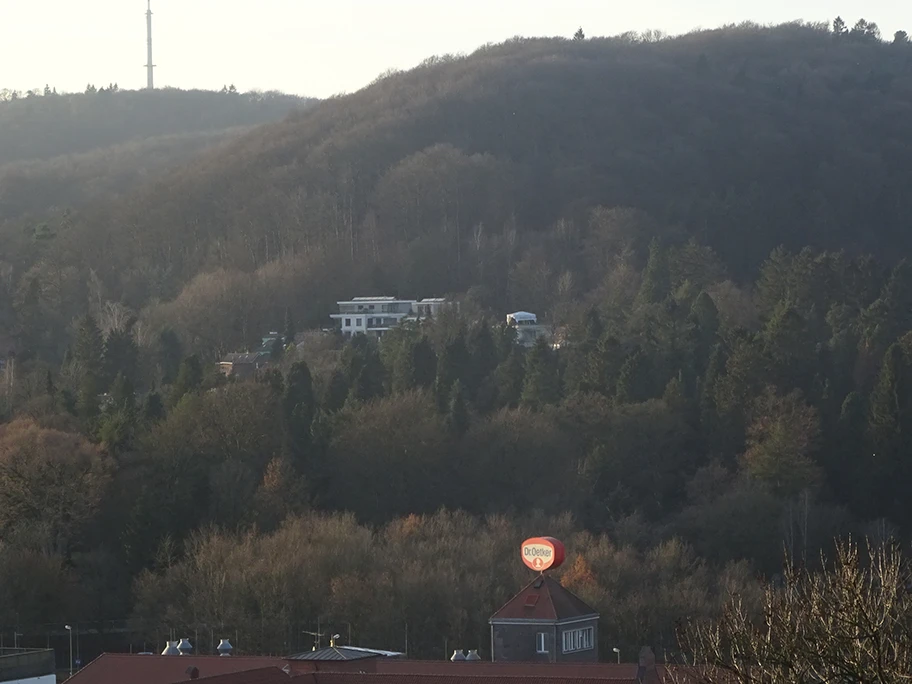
298	404
424	362
579	35
457	418
635	382
189	378
452	365
88	346
121	355
839	27
153	408
336	392
888	402
655	285
289	330
482	356
170	354
542	382
87	400
122	393
510	376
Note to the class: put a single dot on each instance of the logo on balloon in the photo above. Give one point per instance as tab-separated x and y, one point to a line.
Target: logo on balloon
542	553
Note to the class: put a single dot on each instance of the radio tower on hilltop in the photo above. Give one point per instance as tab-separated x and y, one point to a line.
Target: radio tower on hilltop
149	66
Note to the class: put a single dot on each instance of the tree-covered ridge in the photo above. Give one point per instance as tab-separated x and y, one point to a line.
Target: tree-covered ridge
731	373
684	427
43	126
466	171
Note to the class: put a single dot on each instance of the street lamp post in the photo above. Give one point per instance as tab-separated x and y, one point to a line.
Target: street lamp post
618	651
69	628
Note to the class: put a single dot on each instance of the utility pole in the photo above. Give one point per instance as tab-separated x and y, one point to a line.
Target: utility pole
69	628
149	65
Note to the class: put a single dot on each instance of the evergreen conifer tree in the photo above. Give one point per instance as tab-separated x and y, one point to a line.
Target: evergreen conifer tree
541	385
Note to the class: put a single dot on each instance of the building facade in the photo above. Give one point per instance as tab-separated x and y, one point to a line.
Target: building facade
375	316
545	623
528	329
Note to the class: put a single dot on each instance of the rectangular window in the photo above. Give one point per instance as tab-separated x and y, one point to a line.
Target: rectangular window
541	642
578	640
358	322
348	322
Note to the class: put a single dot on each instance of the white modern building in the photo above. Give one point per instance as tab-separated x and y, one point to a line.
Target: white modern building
528	329
375	315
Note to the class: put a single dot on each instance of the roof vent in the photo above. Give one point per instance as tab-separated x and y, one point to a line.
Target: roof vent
192	672
225	648
184	646
538	583
171	649
473	655
458	656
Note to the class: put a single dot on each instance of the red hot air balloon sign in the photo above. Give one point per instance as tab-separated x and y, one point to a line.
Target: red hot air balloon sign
542	553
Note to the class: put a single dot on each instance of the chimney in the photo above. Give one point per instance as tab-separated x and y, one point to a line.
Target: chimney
473	655
171	649
647	657
647	665
184	646
225	648
458	656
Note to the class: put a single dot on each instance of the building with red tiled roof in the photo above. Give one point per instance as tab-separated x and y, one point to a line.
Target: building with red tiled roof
545	623
123	668
152	669
263	675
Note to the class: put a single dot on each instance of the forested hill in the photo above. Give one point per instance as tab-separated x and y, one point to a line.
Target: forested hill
42	127
63	151
743	138
484	170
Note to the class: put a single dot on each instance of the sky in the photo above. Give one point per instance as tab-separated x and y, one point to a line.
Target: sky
325	47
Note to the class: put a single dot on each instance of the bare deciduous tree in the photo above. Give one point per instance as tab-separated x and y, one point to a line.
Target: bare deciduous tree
852	623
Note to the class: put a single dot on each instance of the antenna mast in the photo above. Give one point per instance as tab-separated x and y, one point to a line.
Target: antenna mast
149	66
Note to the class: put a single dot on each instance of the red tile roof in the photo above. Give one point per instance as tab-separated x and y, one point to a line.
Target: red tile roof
265	675
544	599
485	668
464	678
151	669
124	668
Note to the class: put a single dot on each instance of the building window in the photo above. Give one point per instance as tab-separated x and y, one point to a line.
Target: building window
578	640
358	322
348	322
541	642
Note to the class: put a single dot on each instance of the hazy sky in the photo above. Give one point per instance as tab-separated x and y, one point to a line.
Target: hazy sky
321	47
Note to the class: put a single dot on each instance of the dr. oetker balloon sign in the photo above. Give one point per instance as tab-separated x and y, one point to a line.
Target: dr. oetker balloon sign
542	553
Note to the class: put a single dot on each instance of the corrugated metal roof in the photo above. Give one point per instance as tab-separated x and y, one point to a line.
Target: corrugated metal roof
343	653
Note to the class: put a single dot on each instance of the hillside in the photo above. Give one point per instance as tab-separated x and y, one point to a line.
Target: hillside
62	151
44	127
713	401
452	174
